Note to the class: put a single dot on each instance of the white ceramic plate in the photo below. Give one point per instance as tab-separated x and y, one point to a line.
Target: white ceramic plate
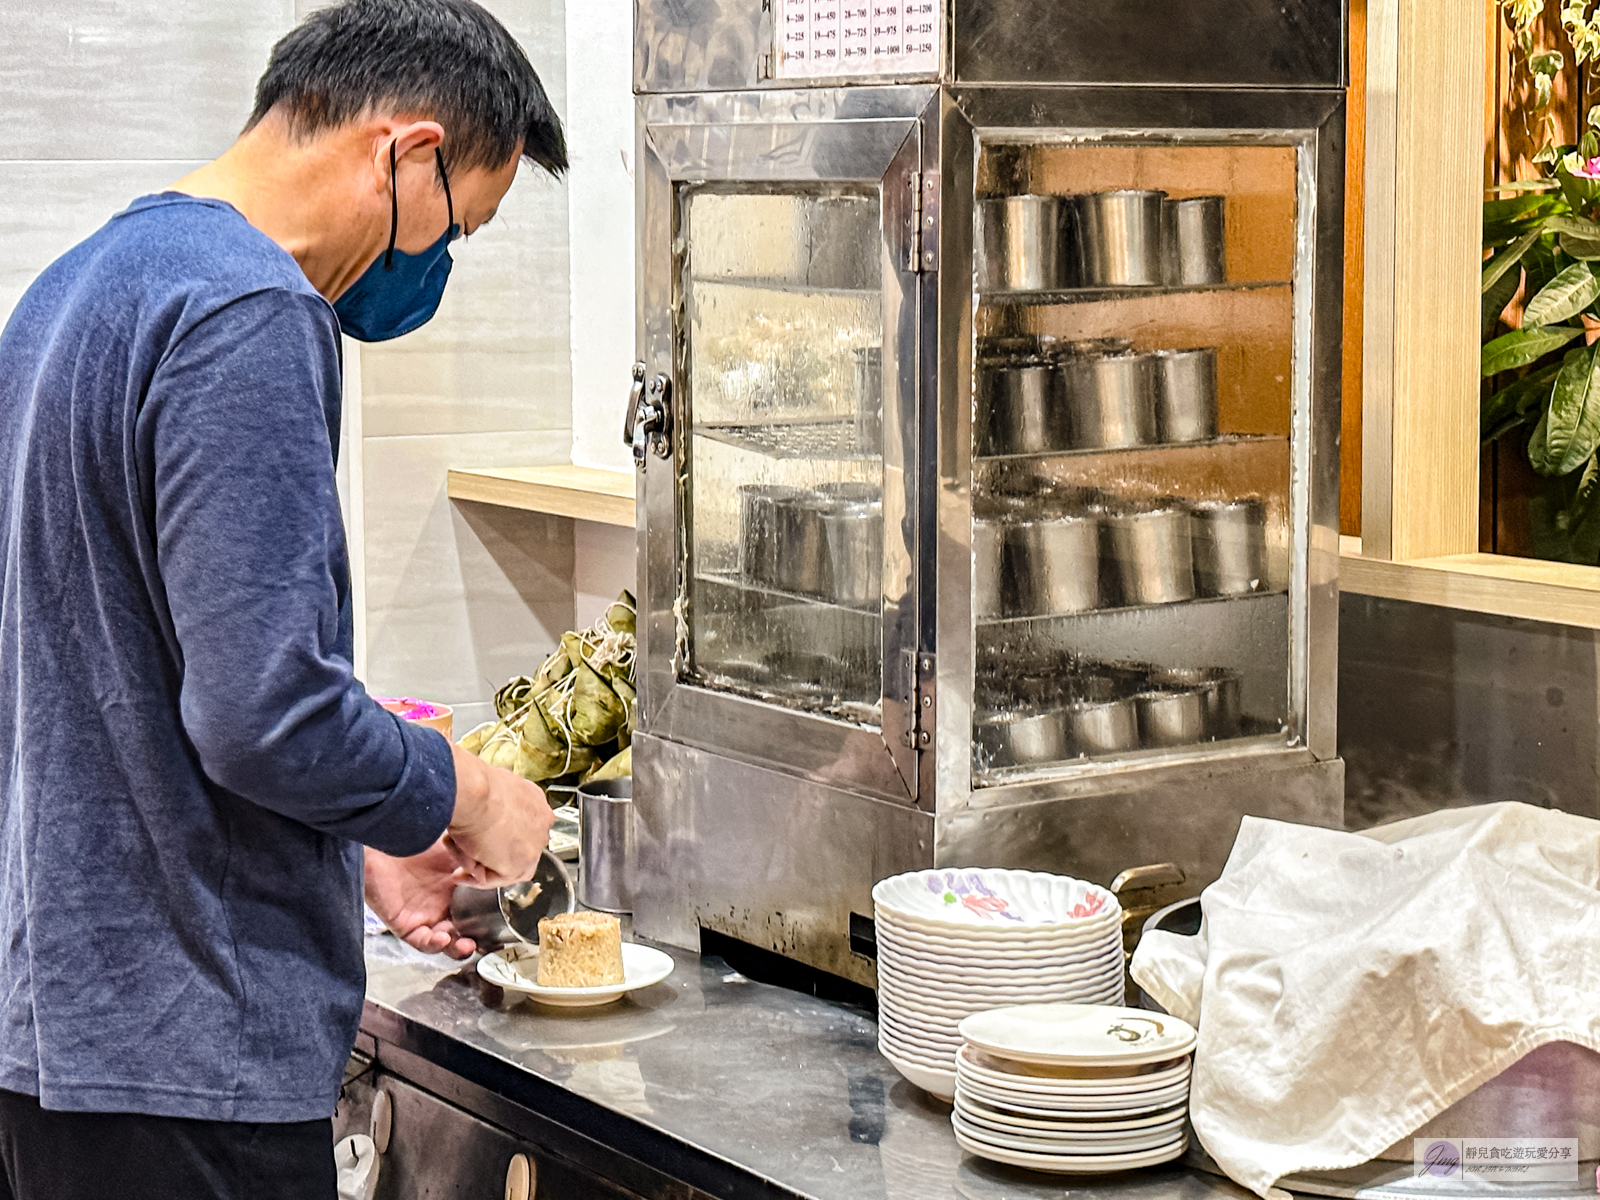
928	1047
1091	993
953	994
1072	1164
1079	1034
982	1114
984	897
1069	1140
516	967
998	962
1111	1104
998	965
890	1044
931	934
1034	1085
1072	1143
937	1083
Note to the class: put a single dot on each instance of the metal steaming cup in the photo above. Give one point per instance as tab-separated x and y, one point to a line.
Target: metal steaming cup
1170	717
1230	546
1021	409
1185	389
758	530
1220	696
1152	549
1017	739
852	530
1110	400
1056	562
1194	238
606	845
1101	727
1118	238
1022	239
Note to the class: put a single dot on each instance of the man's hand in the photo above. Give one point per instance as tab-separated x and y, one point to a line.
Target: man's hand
500	826
412	897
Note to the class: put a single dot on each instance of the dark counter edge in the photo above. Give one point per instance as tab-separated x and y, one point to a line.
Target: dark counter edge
589	1134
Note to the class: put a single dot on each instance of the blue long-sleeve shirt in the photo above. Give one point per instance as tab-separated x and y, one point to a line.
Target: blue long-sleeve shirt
187	762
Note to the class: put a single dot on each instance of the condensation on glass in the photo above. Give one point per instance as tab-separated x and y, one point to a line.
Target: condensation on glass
783	332
1132	414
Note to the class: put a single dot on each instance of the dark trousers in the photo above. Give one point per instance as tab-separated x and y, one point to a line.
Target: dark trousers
129	1156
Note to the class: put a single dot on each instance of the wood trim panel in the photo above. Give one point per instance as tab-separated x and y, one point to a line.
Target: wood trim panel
1423	184
584	493
1529	588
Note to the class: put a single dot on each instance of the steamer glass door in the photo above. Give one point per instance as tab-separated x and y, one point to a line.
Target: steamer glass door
795	329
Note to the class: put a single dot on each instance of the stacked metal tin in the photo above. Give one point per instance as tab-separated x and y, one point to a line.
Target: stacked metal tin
1114	239
1093	709
1040	396
824	542
1057	557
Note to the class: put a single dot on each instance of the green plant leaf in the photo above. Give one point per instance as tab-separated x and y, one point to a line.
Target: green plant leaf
1582	249
1536	443
1525	185
1547	62
1522	346
1593	119
1517	404
1589	144
1549	154
1542	91
1572	423
1576	226
1507	258
1517	207
1568	294
1495	300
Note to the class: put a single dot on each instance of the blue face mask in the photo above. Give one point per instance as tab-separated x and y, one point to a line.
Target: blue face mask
399	292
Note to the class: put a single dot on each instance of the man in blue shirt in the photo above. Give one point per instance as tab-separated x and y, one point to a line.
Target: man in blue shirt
189	770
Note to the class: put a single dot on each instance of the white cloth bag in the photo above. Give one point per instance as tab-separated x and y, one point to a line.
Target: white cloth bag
1349	987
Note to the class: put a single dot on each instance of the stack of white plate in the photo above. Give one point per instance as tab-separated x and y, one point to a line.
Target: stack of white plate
954	942
1073	1087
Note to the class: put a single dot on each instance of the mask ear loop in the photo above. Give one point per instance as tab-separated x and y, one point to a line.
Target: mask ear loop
394	212
449	204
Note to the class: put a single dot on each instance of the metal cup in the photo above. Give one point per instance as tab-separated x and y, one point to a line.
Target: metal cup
991	576
606	845
1118	238
853	533
1153	552
1020	409
1185	387
1016	739
1194	238
1230	546
1021	238
758	530
869	399
1100	727
1220	696
1110	399
801	560
1169	717
1057	564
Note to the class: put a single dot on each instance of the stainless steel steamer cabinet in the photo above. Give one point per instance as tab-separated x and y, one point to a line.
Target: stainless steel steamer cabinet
987	424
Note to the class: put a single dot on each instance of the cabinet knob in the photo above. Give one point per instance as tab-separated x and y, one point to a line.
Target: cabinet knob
521	1178
382	1120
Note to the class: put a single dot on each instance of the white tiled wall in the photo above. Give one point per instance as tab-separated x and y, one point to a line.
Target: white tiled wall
104	101
459	597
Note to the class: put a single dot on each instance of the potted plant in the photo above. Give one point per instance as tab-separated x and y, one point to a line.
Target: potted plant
1540	317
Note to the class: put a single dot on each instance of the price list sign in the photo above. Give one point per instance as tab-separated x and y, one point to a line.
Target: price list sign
819	38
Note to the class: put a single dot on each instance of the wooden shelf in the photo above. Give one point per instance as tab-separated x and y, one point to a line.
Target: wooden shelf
584	493
1530	588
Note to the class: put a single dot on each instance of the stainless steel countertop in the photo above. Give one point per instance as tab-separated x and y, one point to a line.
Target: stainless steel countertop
736	1081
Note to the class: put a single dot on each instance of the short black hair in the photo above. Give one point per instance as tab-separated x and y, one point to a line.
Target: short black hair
449	60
